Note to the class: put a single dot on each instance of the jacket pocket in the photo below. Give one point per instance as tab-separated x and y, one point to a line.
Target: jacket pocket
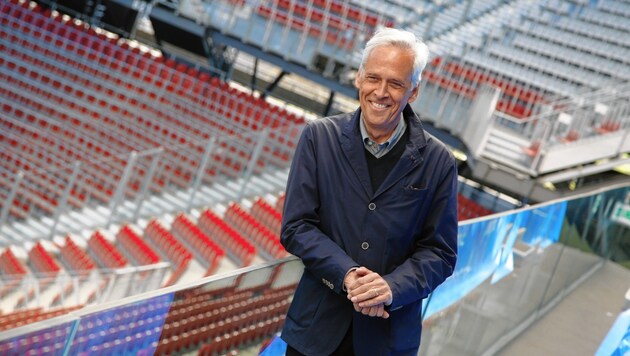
414	189
307	299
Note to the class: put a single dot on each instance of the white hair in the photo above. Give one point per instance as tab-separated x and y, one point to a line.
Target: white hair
402	39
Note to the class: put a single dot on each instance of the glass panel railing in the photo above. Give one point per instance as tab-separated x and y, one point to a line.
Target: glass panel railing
617	341
512	268
130	329
48	337
79	288
240	310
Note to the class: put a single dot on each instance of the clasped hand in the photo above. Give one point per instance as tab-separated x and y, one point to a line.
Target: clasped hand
368	292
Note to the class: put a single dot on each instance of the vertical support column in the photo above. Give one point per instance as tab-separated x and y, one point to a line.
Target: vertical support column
620	116
272	85
329	104
477	130
594	202
131	282
269	26
254	75
147	182
262	138
64	198
120	191
7	204
71	335
200	172
548	128
427	31
36	279
603	220
112	281
466	12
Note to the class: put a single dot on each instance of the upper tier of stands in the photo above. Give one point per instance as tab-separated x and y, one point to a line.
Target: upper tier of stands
83	109
546	59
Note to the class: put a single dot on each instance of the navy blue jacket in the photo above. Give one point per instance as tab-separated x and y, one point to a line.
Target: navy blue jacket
406	231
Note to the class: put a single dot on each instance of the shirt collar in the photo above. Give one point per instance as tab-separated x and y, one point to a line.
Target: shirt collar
379	150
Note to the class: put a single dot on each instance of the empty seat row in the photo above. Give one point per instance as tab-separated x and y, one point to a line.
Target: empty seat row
250	227
262	211
75	257
238	246
240	313
12	271
41	260
139	250
210	253
25	317
10	265
468	209
199	332
171	247
105	251
462	80
336	15
299	24
231	341
188	307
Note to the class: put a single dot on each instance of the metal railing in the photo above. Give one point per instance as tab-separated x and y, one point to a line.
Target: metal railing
79	288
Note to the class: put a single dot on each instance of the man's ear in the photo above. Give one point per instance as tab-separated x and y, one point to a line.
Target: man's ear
357	79
414	94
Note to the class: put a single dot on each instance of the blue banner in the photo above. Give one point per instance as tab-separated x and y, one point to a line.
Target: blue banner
486	250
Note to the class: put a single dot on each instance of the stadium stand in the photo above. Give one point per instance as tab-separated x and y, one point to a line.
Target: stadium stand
97	85
127	170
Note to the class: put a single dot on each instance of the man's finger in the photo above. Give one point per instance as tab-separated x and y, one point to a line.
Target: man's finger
376	311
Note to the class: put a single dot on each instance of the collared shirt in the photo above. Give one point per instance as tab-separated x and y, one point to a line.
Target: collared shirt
379	150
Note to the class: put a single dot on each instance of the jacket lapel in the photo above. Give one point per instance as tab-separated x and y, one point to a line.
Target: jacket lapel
352	148
411	157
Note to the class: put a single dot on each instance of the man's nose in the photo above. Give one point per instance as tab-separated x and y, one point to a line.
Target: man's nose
381	90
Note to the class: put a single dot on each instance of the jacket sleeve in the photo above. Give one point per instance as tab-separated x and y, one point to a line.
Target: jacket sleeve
301	234
435	253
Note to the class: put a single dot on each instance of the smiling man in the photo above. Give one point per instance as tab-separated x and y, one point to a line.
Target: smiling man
371	210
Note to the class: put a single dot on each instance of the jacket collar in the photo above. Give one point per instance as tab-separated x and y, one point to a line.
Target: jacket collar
352	146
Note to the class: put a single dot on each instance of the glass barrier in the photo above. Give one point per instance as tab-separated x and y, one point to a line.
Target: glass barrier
488	198
240	310
617	341
78	288
512	268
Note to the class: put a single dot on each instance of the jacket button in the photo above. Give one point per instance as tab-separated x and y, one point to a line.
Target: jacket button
365	245
371	206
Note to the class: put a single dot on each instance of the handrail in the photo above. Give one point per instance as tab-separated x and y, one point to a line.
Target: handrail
92	309
546	203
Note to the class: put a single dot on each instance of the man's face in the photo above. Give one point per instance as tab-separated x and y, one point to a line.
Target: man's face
385	88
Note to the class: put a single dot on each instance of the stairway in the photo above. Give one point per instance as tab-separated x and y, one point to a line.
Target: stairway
507	148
